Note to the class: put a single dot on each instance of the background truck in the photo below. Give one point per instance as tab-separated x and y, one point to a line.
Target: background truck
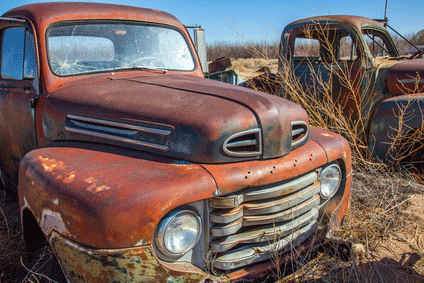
134	167
372	83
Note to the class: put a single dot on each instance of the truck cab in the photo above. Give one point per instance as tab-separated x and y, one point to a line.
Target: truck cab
370	81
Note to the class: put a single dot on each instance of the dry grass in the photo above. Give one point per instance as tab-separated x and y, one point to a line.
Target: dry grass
11	245
385	246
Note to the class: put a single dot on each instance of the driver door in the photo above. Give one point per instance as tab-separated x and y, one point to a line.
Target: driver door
18	89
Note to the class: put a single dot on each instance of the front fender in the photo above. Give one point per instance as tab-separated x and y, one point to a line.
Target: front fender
392	121
74	189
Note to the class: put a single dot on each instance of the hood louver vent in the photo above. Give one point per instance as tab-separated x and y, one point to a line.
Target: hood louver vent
149	135
300	133
244	144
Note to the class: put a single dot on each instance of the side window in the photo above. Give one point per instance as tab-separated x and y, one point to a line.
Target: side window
12	55
30	59
18	59
306	47
324	46
348	50
376	43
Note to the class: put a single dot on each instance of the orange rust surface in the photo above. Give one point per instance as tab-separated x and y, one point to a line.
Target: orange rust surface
93	182
106	196
323	147
336	148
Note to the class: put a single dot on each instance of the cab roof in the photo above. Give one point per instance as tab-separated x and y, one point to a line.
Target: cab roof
43	14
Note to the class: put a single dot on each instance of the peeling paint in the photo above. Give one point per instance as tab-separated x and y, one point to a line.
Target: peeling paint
50	221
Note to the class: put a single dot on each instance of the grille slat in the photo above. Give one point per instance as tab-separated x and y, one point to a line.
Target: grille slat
264	234
265	192
245	224
300	133
150	135
254	253
264	206
244	144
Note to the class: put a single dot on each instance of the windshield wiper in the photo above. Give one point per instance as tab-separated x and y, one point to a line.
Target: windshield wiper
140	68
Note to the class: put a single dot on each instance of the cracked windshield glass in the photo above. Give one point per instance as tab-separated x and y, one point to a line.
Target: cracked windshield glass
97	47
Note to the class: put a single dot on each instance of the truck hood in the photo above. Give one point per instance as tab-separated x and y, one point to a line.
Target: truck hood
184	117
406	77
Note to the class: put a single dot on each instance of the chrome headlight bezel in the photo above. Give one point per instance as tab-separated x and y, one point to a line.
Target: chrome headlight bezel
330	180
163	232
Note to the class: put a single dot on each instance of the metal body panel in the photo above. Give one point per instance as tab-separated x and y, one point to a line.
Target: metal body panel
203	114
385	133
107	197
323	147
406	77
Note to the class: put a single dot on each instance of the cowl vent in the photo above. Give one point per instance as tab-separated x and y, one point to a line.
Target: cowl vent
244	144
300	133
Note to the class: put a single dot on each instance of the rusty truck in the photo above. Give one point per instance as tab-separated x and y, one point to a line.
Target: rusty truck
133	167
369	78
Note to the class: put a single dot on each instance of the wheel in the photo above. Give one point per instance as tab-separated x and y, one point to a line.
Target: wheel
417	162
414	161
39	261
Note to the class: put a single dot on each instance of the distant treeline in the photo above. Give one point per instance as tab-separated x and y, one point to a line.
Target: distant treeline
240	50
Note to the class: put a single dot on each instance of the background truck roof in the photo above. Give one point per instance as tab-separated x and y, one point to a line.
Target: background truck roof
356	21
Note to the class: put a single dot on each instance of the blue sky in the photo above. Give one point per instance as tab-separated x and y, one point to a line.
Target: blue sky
259	21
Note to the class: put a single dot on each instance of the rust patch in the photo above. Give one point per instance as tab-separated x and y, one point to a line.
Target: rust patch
57	168
49	165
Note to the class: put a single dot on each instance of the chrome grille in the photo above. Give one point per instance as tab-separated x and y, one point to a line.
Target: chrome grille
253	224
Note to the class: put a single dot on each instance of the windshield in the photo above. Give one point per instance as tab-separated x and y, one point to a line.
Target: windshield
379	44
97	47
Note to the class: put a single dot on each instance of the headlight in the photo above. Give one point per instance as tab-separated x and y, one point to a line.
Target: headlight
178	233
330	178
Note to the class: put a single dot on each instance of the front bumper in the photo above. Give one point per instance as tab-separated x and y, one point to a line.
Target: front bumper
137	264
